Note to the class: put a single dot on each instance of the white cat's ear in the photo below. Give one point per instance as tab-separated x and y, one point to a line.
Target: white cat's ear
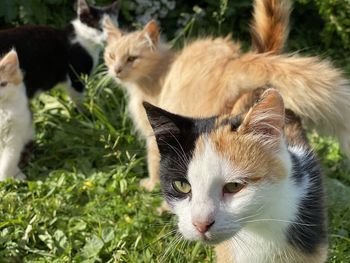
111	30
266	118
169	129
10	61
151	32
82	7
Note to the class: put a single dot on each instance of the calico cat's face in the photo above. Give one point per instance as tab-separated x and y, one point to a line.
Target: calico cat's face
93	16
129	57
219	173
10	74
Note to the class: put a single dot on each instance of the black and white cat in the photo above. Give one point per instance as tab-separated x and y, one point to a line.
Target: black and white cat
50	56
250	185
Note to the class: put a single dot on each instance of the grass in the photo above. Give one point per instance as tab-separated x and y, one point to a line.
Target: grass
82	201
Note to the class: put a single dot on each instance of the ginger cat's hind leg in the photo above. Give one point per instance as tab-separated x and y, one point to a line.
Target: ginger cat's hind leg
153	159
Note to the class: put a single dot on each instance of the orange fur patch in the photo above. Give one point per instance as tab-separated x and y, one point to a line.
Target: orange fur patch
248	154
223	253
255	146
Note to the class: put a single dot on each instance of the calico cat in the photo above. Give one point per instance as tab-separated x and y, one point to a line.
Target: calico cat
207	76
15	118
50	56
244	183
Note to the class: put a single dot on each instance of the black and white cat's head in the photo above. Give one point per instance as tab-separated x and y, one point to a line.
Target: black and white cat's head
89	21
220	173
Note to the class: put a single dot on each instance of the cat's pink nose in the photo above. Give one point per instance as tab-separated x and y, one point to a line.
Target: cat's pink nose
203	227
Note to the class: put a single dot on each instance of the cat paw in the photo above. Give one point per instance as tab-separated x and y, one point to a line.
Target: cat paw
20	176
148	184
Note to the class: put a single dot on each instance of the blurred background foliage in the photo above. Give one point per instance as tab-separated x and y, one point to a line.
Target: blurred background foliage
318	26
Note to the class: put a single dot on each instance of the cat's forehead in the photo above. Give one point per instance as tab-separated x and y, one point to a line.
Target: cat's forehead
13	77
5	63
2	70
127	42
242	152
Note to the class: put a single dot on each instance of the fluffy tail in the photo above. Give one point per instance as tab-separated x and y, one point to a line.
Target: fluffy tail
270	26
312	88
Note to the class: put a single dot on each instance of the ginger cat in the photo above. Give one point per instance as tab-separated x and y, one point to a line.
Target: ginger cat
207	76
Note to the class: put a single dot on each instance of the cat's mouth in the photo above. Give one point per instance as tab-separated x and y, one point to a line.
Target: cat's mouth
118	78
119	75
214	239
123	76
209	239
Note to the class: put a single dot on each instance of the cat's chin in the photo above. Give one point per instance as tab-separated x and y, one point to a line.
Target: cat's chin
117	79
214	240
211	242
124	79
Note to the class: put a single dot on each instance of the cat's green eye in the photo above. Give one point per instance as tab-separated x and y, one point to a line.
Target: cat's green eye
232	188
132	58
182	186
3	83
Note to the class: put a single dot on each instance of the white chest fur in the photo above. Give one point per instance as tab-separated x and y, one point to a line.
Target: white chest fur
89	38
15	131
15	118
5	124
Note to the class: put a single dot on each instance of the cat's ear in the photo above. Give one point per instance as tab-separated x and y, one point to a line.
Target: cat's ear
266	119
151	32
10	62
169	129
82	7
114	7
112	31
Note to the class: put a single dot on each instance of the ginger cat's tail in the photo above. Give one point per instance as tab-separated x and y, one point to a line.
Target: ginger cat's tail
270	25
312	88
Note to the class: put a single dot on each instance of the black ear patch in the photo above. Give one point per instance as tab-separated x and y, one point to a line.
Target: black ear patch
173	131
169	129
92	15
82	6
112	9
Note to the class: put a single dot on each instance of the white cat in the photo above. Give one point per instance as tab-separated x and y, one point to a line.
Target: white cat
15	118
